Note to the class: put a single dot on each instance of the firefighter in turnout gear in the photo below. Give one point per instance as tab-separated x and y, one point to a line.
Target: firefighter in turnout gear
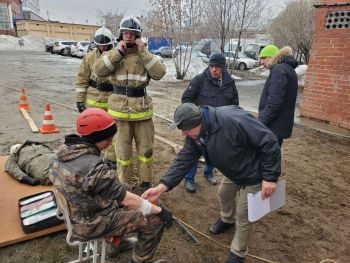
93	91
130	67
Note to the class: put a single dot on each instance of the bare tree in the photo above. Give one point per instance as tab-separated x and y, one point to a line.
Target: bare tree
294	27
110	19
247	14
178	19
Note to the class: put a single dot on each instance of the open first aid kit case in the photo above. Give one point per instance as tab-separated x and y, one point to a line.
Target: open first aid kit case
38	211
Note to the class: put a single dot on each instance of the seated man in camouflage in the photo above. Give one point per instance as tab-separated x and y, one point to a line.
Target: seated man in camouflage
30	163
100	206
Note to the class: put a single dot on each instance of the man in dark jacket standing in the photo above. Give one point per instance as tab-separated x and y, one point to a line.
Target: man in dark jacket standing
213	87
277	101
244	150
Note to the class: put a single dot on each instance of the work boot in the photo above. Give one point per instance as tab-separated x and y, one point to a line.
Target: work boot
190	186
220	227
210	178
233	258
125	245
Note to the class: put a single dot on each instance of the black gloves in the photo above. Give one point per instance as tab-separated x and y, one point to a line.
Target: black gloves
81	106
166	216
30	180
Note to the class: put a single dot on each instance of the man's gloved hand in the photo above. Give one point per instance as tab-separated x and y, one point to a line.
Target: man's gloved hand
81	106
166	216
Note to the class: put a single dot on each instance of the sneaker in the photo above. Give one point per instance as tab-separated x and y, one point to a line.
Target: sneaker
125	245
220	227
233	258
190	186
210	178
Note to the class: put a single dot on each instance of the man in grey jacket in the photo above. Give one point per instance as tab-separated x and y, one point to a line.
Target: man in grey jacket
243	149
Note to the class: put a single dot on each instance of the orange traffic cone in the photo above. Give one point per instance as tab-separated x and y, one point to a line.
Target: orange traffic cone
23	103
48	124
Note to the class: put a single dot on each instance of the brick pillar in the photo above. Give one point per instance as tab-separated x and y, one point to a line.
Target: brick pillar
326	95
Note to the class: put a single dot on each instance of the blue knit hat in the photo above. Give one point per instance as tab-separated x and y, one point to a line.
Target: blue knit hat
217	59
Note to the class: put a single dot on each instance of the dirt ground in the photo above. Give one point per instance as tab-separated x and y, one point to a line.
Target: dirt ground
313	225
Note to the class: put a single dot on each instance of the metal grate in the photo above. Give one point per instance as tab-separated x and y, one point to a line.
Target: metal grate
338	20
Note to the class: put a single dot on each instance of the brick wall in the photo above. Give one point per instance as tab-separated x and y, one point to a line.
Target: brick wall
326	95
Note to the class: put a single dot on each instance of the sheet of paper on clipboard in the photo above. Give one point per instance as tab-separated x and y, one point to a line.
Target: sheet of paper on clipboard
257	208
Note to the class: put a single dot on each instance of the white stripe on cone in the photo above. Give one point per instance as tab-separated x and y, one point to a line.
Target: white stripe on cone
47	113
48	122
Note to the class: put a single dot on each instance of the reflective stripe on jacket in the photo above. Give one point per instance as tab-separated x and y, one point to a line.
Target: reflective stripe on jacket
132	70
85	93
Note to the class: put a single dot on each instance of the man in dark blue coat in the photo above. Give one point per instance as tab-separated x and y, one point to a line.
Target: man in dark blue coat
277	101
213	87
244	150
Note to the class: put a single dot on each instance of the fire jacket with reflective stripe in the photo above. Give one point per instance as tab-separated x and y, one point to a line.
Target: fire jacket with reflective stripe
85	93
132	70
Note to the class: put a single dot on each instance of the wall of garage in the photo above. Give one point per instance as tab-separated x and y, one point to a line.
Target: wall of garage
326	95
56	30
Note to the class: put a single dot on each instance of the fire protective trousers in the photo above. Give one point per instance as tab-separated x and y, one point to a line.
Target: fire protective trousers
143	134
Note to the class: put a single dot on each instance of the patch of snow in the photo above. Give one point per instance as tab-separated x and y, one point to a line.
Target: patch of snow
30	43
195	68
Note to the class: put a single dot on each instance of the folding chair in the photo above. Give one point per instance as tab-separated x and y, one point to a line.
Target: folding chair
63	213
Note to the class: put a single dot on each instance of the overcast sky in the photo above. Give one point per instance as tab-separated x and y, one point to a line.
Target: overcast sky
84	11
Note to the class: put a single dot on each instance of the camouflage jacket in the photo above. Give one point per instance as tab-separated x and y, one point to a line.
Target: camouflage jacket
32	159
90	187
133	70
84	92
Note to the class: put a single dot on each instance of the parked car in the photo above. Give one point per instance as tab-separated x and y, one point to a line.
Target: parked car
49	47
77	48
163	51
61	45
242	61
194	53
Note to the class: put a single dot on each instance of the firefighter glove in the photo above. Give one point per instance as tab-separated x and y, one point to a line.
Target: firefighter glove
81	106
166	216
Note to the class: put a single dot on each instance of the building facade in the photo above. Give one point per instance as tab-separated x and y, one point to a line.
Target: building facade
10	10
56	30
326	95
31	10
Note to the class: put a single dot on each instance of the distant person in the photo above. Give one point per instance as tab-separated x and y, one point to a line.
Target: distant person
100	206
238	145
30	163
213	87
277	101
131	67
91	90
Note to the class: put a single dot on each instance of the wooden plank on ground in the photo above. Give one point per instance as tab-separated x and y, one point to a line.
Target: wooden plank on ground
30	121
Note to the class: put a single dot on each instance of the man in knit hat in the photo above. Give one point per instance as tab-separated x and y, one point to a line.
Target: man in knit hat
213	87
241	148
277	101
101	206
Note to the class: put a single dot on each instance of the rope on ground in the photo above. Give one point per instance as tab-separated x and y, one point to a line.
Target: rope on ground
327	260
220	244
41	98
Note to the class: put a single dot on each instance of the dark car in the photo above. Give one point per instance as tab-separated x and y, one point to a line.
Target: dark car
49	47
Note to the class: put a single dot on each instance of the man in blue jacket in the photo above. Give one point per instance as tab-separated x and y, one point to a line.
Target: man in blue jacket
213	87
242	148
277	101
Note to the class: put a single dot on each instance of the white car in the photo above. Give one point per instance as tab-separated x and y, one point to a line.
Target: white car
77	49
242	61
62	47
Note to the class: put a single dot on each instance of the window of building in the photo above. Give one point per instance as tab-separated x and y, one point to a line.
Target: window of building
4	17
